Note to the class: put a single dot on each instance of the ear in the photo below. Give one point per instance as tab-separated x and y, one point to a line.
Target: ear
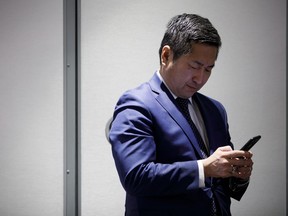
166	55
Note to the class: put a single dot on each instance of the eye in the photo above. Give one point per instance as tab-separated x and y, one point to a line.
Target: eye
195	65
208	69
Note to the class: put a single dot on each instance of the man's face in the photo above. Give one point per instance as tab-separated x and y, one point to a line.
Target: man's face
190	72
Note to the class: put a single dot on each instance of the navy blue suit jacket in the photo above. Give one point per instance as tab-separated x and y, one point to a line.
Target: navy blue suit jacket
156	153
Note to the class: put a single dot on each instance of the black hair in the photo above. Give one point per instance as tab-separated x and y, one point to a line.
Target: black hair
184	30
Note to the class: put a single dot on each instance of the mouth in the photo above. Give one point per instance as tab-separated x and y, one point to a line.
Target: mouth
193	88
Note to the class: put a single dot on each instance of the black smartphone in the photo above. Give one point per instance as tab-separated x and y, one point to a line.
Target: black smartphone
251	143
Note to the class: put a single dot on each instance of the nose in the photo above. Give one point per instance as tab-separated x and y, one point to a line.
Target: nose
199	75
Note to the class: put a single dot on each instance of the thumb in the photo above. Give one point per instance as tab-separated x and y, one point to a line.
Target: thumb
225	148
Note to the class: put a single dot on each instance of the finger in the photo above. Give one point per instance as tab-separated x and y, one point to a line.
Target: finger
243	173
234	170
239	154
248	154
225	148
245	169
241	162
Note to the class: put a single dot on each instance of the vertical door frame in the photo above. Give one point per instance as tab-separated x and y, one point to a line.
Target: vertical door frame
72	144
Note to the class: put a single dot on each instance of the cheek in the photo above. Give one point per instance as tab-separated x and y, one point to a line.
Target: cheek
204	81
187	76
206	77
183	80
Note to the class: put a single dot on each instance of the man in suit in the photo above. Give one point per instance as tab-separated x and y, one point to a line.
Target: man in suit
166	166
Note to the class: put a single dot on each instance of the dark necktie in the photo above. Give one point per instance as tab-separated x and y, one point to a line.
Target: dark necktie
183	105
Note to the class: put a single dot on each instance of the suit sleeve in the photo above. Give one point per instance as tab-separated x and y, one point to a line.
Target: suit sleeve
135	153
236	186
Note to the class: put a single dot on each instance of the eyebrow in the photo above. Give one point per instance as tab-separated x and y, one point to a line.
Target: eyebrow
201	64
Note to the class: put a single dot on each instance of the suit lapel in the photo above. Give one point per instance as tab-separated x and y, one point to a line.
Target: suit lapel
164	97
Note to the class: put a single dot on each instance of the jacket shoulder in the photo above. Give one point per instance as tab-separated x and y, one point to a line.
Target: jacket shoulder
213	103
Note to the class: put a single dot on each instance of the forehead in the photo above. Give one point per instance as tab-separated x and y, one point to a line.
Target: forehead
203	54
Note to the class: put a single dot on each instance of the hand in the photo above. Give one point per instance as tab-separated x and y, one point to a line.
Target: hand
225	162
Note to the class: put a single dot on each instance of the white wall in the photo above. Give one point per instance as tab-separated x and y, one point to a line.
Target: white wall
31	108
120	42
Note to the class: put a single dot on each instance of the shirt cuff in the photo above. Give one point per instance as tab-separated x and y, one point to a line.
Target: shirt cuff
201	174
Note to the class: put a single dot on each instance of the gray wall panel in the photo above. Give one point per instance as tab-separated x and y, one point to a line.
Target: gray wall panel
120	42
31	111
